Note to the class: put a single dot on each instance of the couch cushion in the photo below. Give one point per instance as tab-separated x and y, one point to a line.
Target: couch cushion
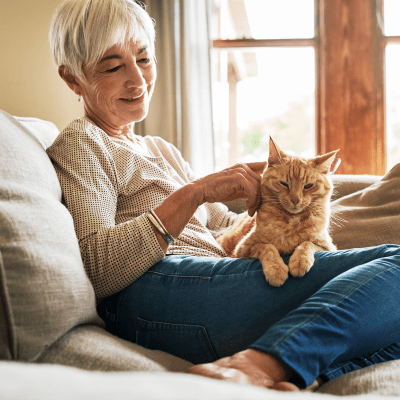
92	348
49	382
44	290
44	131
348	184
370	216
6	344
380	379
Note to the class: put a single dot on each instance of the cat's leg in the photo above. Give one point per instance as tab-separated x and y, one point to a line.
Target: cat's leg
302	258
275	270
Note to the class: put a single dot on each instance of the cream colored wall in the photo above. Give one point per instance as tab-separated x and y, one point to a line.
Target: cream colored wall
29	82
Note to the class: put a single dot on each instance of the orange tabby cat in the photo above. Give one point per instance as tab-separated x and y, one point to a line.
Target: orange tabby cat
292	219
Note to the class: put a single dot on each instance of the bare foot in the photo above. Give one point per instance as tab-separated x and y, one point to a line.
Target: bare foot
251	367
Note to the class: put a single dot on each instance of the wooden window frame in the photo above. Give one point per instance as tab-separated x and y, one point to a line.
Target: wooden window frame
350	99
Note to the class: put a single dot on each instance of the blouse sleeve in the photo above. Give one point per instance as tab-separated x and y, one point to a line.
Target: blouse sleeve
114	255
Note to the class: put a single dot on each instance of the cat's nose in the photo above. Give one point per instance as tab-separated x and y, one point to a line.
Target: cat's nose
295	201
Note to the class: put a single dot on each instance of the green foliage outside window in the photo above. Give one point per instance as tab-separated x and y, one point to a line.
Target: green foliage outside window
291	131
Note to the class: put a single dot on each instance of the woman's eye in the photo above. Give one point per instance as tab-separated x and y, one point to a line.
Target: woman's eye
284	184
308	186
113	69
144	60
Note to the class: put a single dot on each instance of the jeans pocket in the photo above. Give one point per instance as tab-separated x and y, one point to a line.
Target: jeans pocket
189	342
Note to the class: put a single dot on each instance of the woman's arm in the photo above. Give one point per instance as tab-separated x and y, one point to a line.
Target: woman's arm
239	181
114	255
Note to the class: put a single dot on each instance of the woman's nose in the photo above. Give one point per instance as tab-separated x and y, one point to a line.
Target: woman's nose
134	77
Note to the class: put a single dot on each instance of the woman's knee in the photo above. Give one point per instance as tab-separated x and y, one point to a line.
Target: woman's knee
390	250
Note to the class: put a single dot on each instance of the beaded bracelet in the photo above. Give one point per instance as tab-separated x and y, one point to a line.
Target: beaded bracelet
153	218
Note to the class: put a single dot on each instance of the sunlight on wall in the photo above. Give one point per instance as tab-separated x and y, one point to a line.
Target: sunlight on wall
30	85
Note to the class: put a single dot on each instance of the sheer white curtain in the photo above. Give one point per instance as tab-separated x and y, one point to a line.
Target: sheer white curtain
181	111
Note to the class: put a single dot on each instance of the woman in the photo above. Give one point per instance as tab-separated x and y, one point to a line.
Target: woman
134	200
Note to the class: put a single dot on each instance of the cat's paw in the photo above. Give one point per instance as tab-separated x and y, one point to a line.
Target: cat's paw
299	266
276	273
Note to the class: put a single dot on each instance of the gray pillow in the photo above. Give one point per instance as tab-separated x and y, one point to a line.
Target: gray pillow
370	216
44	291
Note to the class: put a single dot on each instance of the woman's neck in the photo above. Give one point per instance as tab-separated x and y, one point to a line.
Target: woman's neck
124	132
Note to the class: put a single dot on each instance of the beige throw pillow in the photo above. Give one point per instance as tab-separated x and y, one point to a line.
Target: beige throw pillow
370	216
44	291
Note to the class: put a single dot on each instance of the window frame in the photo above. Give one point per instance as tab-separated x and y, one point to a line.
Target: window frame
349	47
384	40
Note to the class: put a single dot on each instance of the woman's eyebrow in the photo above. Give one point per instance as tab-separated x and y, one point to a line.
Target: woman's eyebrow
110	57
119	57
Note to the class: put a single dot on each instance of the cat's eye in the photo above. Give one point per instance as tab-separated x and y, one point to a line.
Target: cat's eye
308	186
284	184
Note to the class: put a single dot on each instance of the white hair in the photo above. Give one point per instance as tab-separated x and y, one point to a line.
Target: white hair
81	31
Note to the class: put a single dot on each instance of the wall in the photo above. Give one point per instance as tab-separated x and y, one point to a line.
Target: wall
29	82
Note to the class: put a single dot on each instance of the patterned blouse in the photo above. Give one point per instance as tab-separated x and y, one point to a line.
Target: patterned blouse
108	185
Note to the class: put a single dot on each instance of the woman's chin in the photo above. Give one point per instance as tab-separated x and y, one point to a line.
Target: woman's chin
136	115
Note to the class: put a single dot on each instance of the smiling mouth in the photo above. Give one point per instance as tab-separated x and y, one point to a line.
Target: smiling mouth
132	99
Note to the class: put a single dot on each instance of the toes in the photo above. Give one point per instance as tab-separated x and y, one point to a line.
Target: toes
285	387
276	281
298	272
221	373
298	268
276	275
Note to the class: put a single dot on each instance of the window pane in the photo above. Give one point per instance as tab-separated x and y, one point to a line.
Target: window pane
263	19
392	104
391	12
268	91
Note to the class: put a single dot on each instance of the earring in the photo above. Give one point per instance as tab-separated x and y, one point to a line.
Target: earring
79	97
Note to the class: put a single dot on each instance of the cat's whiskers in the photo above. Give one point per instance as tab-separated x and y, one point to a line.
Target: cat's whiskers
270	198
316	209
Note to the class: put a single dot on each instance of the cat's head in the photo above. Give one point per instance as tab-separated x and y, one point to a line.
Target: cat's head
296	184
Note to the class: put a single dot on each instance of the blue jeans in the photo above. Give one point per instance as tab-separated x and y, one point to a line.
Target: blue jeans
341	316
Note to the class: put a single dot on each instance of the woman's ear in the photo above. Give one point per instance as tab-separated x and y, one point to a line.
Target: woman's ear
69	79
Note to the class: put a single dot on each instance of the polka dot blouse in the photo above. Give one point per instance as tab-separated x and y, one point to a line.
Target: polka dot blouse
108	185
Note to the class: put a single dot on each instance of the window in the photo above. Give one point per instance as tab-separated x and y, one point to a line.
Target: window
391	12
310	73
263	78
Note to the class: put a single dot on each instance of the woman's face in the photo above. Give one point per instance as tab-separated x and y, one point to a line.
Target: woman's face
118	89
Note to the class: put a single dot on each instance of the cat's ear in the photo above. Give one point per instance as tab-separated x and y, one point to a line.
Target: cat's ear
324	162
274	153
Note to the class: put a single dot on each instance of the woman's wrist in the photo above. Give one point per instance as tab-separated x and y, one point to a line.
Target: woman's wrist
175	212
156	222
196	193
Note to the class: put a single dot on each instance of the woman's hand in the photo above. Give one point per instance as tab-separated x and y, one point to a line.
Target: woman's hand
238	182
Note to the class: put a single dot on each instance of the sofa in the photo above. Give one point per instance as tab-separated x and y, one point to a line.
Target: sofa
53	344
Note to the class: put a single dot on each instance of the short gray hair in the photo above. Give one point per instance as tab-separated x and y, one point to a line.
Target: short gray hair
82	31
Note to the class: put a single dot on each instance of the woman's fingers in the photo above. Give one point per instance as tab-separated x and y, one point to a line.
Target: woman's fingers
253	169
258	167
252	205
229	185
241	181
